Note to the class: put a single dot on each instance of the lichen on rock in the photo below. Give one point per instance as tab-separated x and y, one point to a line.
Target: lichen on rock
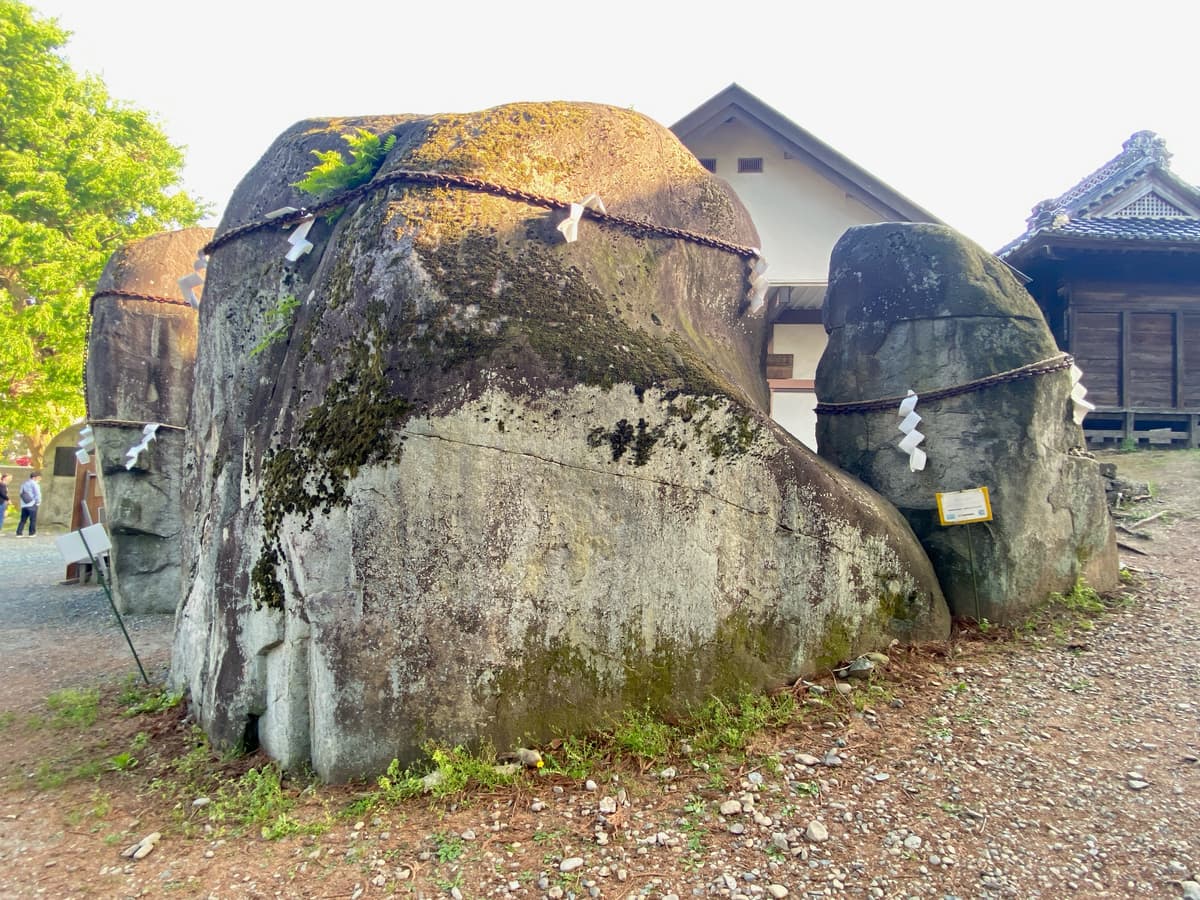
493	483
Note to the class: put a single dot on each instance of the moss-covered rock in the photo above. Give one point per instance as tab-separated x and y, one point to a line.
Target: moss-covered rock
141	357
920	307
491	485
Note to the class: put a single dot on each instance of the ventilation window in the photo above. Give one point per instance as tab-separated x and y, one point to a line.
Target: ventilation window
710	164
1149	205
749	164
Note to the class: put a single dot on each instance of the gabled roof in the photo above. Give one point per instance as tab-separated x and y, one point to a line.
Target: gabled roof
1133	197
736	102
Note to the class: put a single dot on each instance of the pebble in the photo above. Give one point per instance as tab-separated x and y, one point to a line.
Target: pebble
570	864
731	807
1191	890
816	831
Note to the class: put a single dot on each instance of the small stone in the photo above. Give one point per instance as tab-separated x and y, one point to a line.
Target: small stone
200	802
608	805
456	893
807	759
1137	784
779	841
778	891
570	864
590	785
880	659
737	828
912	842
816	831
832	759
816	690
668	774
731	808
468	835
760	819
843	688
755	778
537	806
1191	890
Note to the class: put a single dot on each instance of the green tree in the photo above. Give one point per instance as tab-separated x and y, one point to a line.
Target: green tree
81	174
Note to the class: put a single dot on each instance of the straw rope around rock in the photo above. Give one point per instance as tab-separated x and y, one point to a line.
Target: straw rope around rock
463	182
1031	370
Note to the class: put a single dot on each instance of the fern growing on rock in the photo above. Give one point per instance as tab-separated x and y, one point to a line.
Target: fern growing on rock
333	173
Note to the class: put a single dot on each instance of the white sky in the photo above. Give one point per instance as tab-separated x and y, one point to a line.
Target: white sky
973	110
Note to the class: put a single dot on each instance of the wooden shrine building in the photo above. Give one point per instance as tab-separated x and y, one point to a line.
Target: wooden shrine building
1114	264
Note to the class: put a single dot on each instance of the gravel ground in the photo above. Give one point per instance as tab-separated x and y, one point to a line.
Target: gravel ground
1062	764
55	635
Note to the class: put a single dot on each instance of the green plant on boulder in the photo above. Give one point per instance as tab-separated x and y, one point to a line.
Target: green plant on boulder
333	173
279	320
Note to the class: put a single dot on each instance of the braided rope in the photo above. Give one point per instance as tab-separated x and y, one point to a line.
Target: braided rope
134	295
126	423
463	182
1043	367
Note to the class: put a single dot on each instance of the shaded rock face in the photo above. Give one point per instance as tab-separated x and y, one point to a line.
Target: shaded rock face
920	307
490	485
141	357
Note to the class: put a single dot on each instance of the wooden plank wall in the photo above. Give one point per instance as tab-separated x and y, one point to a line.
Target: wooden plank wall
1096	346
1191	360
1151	361
1131	341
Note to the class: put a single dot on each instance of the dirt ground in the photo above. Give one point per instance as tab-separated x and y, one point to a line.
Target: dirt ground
1057	759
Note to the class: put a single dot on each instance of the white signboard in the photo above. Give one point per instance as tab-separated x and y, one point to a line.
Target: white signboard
962	507
70	545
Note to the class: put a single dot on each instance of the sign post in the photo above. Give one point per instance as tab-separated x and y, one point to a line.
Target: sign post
963	508
75	546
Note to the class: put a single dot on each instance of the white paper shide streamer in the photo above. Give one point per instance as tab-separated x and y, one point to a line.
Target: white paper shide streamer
193	280
87	440
1081	407
912	437
132	454
570	225
299	239
758	282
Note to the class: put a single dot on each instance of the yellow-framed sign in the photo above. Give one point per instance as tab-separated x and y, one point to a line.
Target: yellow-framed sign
964	507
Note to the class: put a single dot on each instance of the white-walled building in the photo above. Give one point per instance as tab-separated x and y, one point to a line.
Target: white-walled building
802	195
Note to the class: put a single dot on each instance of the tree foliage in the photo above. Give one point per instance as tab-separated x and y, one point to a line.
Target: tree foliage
81	174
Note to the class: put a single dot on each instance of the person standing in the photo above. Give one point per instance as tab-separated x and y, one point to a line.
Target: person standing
4	501
31	499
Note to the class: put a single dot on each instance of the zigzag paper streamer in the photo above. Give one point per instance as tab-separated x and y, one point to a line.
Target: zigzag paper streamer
188	283
299	239
1081	407
758	282
912	437
87	441
132	454
570	225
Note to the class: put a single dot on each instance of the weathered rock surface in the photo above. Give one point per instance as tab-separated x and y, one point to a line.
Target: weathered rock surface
487	484
920	307
141	356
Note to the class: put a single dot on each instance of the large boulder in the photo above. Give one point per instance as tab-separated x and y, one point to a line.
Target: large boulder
919	307
141	356
484	484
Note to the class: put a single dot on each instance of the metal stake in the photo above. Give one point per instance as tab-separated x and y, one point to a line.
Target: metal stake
104	584
974	583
